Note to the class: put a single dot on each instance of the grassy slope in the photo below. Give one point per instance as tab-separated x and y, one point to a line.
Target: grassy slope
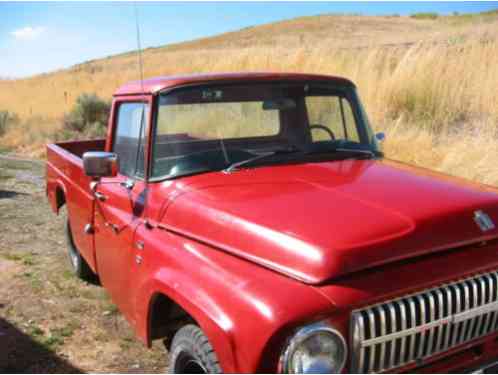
49	95
431	84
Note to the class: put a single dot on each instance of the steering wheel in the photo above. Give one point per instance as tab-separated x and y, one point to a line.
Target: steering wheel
325	129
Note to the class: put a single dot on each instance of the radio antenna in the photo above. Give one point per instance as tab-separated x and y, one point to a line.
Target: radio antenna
143	114
139	47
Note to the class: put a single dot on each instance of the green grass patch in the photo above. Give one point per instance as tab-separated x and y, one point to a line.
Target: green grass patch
11	256
17	165
36	283
4	149
35	331
26	259
66	331
5	175
52	341
67	275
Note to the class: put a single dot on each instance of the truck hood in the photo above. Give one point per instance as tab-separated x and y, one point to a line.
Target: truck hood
317	221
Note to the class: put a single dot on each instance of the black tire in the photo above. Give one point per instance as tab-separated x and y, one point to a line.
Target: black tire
191	353
78	264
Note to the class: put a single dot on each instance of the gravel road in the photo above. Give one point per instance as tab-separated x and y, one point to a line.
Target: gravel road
50	321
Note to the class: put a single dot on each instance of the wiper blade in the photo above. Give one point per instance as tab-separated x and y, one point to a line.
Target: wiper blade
356	151
295	150
333	150
235	166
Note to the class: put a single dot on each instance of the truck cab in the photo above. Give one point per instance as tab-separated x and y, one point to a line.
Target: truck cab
253	223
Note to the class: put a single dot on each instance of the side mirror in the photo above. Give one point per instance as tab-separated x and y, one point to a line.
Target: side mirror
380	137
97	164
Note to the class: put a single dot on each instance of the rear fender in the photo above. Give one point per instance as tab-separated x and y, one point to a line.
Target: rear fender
56	194
60	196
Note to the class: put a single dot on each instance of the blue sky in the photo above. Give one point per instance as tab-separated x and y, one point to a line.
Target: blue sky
40	37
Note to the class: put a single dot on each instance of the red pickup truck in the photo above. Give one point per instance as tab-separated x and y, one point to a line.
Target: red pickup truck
252	222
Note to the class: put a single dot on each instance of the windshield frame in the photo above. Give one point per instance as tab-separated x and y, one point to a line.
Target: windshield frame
365	132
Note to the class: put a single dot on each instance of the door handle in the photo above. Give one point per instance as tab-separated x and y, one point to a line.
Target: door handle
114	227
101	197
138	259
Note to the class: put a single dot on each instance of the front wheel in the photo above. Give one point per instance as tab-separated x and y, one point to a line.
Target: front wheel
191	353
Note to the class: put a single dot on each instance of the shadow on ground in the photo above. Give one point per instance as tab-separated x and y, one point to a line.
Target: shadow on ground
21	354
6	194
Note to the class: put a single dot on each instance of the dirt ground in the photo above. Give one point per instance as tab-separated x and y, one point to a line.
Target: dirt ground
50	321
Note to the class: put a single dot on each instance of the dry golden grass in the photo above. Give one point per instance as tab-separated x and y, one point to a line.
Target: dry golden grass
431	85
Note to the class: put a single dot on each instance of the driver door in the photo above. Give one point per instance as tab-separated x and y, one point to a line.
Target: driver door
120	205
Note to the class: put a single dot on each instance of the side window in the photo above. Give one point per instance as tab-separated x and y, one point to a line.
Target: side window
335	114
129	140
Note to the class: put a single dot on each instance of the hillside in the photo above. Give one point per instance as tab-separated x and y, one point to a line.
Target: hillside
429	83
253	48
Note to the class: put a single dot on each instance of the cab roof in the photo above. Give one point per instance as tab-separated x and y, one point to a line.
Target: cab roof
155	85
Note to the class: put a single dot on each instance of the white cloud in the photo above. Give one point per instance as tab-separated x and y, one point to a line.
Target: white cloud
28	33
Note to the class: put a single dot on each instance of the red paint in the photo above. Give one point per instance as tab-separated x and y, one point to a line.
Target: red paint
254	254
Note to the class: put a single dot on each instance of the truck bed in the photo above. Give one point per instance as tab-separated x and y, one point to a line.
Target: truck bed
68	184
78	148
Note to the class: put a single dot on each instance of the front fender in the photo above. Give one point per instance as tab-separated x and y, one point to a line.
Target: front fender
211	319
240	306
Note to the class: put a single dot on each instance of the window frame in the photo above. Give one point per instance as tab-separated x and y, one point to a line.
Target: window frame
351	94
147	100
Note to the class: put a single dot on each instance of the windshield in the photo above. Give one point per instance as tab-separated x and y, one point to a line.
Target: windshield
207	128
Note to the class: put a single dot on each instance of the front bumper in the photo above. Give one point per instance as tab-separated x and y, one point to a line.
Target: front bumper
490	368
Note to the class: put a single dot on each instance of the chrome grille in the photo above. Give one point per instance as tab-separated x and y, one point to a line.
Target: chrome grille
398	332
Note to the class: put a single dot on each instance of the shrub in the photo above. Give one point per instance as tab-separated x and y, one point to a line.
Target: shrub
425	16
7	119
96	130
88	110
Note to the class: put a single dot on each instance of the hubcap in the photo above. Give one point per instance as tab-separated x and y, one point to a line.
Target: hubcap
74	258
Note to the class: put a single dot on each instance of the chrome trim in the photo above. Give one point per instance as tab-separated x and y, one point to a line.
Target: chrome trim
360	323
424	324
404	327
432	312
393	347
494	316
483	221
441	313
457	318
466	324
398	332
447	337
383	332
371	320
97	164
454	334
413	323
483	368
304	333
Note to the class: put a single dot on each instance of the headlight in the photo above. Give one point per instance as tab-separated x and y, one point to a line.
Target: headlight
315	349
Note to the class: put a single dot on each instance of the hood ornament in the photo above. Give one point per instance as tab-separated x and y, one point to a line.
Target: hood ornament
483	220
